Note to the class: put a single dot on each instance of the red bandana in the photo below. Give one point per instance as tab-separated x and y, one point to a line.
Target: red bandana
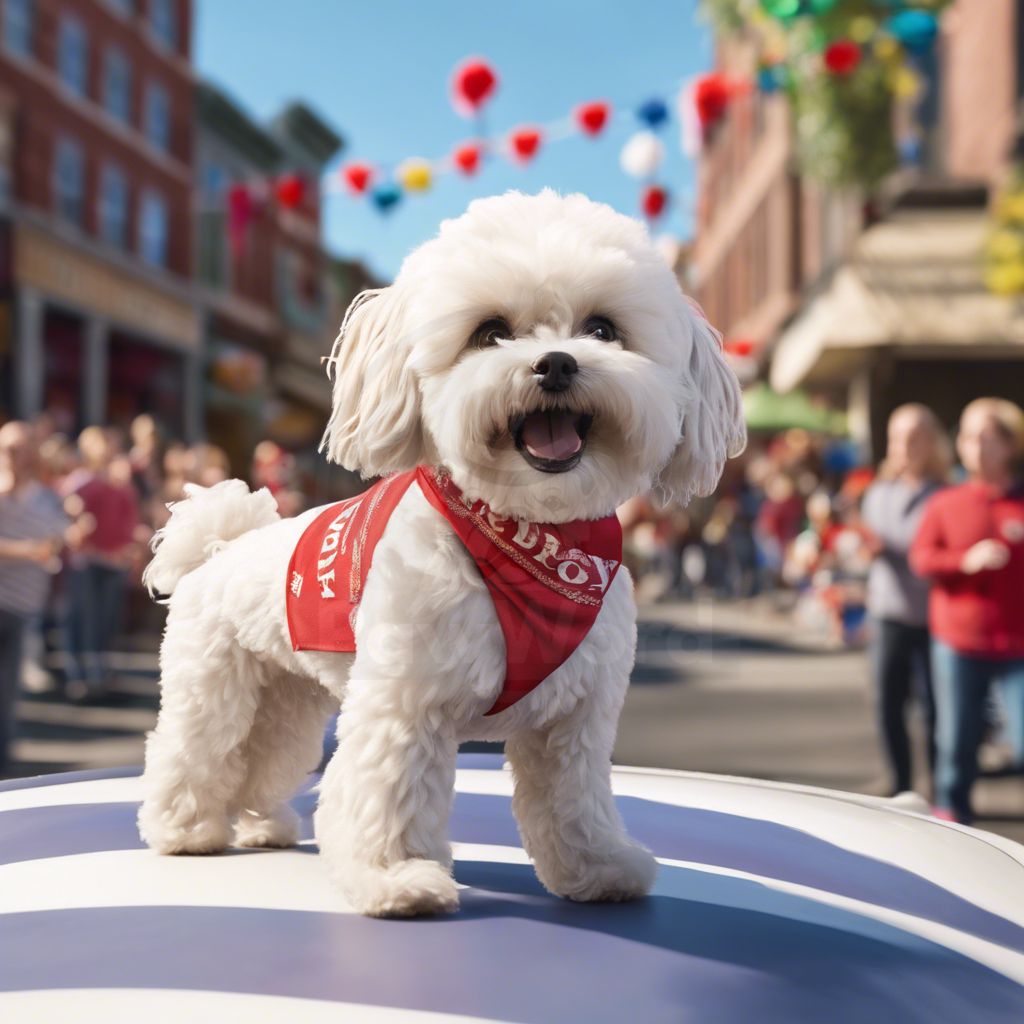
547	582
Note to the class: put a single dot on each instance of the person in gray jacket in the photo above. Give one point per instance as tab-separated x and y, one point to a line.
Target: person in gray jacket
917	463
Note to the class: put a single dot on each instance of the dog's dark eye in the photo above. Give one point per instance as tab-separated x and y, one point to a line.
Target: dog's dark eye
602	328
490	332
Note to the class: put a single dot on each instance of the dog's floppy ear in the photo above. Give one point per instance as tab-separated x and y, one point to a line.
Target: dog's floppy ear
713	427
375	426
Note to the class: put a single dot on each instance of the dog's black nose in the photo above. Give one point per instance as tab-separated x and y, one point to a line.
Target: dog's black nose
555	370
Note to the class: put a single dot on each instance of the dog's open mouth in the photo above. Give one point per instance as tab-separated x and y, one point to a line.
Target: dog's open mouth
551	440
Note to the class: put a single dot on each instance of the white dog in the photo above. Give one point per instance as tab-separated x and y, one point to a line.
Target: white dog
540	352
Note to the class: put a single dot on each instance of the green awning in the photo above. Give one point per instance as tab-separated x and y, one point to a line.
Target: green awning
764	409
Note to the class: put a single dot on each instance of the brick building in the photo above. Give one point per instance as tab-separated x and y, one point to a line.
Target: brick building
96	171
763	233
272	297
871	310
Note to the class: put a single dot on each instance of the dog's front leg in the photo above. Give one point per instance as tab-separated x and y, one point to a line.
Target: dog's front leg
382	820
567	816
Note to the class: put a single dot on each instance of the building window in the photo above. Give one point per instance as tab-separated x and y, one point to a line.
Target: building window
158	117
114	208
19	17
69	181
214	180
117	86
162	17
73	55
126	8
299	290
153	229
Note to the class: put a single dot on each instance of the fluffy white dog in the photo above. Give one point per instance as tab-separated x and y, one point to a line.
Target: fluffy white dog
526	309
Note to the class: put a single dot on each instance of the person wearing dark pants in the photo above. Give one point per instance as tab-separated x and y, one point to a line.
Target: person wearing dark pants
971	544
31	529
963	684
900	657
97	598
12	631
99	575
916	464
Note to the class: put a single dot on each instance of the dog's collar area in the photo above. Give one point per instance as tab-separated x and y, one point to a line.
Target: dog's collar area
551	440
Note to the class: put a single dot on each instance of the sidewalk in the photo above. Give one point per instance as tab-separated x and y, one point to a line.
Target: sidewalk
54	735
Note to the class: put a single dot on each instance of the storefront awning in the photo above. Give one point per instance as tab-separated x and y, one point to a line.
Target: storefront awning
913	282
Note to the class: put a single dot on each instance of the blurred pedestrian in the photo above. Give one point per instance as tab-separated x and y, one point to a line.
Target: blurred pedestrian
105	506
145	456
971	544
31	530
916	465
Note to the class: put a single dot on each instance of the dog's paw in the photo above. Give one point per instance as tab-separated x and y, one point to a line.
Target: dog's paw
212	835
626	874
411	888
281	828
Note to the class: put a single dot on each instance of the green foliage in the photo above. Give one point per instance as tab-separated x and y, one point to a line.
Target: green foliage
843	122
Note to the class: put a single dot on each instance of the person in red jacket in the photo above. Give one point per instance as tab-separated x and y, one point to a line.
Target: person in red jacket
971	545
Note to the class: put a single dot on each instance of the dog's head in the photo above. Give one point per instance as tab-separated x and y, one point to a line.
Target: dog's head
541	350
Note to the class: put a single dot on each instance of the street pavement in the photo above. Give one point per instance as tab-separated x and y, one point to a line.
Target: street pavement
735	689
741	690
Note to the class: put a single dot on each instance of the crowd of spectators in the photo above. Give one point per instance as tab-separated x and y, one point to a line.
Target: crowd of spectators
919	561
926	574
76	519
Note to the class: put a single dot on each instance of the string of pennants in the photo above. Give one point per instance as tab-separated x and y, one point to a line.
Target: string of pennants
473	85
700	104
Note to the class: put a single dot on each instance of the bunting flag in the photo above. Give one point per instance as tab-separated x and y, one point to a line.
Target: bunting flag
803	47
473	84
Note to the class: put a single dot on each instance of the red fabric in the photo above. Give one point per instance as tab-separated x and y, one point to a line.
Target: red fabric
980	614
547	582
328	567
116	511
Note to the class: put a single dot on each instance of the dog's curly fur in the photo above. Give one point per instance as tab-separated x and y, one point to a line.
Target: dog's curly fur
243	714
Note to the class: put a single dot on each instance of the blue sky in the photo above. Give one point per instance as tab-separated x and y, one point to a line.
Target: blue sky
379	73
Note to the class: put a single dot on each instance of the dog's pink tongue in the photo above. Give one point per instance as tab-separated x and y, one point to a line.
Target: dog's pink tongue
551	435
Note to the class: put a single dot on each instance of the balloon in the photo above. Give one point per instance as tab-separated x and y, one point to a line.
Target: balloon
386	197
357	176
886	48
740	347
842	56
525	142
290	189
642	155
771	77
415	174
473	83
711	97
916	30
653	201
653	113
910	149
467	157
862	29
782	8
591	117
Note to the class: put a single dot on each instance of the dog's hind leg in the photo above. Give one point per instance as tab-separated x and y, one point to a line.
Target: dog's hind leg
195	757
283	746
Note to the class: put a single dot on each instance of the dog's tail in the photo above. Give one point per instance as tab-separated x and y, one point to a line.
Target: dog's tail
201	525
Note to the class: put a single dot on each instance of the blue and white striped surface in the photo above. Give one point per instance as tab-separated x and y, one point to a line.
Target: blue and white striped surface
774	904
